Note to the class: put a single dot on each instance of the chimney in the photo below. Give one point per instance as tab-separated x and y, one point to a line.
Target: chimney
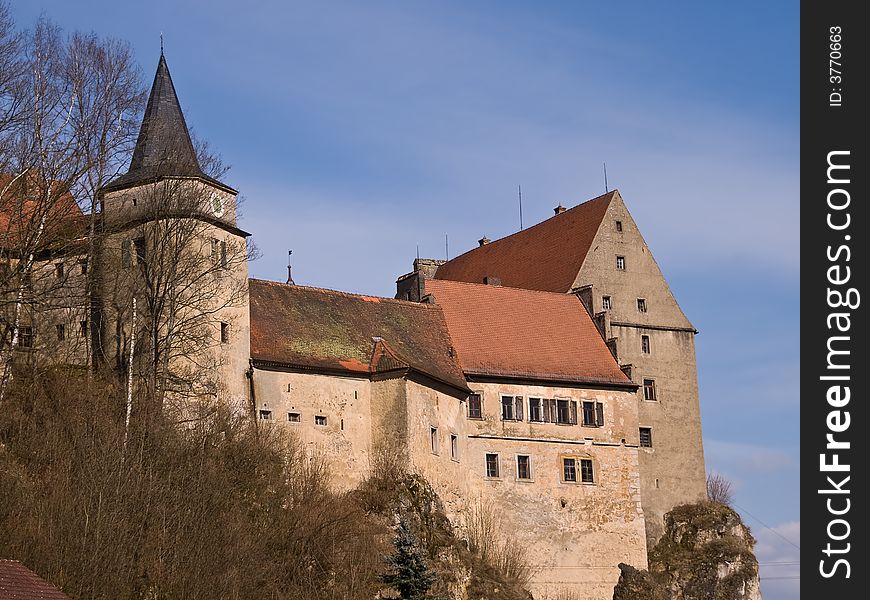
559	209
484	241
289	269
490	280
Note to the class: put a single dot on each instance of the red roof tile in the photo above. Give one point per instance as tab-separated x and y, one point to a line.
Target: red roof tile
315	329
21	213
512	332
17	582
546	256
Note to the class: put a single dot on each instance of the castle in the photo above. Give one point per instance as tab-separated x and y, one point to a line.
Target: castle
549	374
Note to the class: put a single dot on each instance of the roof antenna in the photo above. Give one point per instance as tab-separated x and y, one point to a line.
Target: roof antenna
161	43
520	191
289	269
605	179
418	251
446	247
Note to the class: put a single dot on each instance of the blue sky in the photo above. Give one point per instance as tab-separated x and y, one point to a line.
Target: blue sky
358	131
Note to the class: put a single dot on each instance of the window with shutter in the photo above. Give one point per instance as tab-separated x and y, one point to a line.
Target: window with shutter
475	407
589	414
599	414
573	412
518	404
535	412
507	408
563	412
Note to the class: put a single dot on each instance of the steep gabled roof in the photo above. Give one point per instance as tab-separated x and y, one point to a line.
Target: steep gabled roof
545	257
510	332
17	582
318	329
164	147
23	205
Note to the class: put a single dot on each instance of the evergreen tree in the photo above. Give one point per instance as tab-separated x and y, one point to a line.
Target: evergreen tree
409	575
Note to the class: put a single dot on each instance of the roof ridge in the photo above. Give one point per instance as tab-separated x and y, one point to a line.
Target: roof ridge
368	297
507	287
538	224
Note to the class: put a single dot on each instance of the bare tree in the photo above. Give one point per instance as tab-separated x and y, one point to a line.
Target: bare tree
720	489
68	109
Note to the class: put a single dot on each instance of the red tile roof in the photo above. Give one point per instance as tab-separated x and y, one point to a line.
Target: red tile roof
511	332
314	328
17	582
21	212
546	256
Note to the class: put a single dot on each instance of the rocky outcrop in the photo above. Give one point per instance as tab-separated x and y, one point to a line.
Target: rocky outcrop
704	554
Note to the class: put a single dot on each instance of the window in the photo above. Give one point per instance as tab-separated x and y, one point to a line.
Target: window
289	387
606	303
475	408
524	467
139	245
511	408
620	263
223	254
593	414
25	336
83	263
294	417
266	414
641	305
319	420
649	390
134	200
61	332
563	412
83	329
58	270
644	344
454	446
586	471
492	465
126	256
645	437
225	333
619	227
433	439
536	414
569	469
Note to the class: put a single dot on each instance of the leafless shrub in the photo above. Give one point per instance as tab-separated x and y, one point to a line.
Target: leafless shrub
720	489
500	558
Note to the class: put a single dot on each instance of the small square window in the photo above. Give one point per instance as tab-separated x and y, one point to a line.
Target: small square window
606	303
225	333
59	270
586	475
294	417
61	332
475	408
524	467
644	344
649	390
641	305
454	447
619	226
620	263
569	469
25	336
645	437
433	439
83	329
319	420
492	465
266	415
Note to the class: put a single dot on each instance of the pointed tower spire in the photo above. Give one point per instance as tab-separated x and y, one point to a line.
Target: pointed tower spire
164	146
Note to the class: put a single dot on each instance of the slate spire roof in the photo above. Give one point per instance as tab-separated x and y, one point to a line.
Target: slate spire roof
164	147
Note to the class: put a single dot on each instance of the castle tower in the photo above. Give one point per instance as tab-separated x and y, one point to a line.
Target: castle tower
172	242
